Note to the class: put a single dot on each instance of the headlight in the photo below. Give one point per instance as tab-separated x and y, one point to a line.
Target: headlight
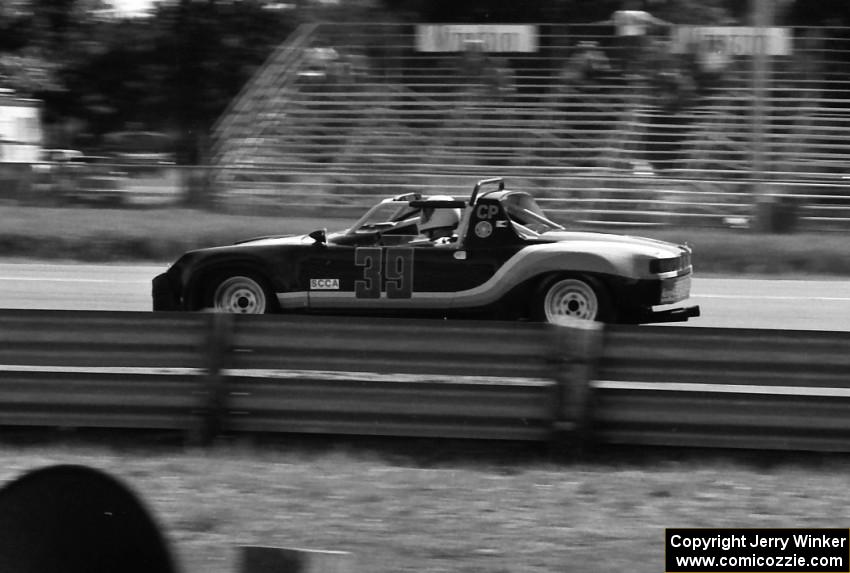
660	266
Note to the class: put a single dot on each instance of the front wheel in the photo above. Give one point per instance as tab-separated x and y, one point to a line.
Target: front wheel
241	294
574	298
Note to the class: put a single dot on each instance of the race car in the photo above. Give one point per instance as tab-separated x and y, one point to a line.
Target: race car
503	258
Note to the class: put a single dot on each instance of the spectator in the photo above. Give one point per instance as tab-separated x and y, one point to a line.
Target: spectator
707	65
633	25
669	77
499	78
587	64
486	77
473	60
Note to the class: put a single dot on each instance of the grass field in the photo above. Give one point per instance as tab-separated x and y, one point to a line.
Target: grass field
470	512
162	234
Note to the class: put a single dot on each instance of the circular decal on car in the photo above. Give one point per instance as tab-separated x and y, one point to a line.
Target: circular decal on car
483	229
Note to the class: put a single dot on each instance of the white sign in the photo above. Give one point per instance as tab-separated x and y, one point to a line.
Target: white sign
497	38
732	40
20	130
324	284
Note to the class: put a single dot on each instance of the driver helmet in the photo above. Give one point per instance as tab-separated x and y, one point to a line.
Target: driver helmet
440	221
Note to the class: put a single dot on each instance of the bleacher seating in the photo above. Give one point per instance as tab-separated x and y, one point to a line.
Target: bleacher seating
340	112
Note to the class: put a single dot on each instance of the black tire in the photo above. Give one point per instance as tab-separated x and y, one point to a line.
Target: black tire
573	297
241	292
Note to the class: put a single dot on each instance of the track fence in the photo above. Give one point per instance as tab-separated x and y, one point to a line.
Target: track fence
576	386
692	138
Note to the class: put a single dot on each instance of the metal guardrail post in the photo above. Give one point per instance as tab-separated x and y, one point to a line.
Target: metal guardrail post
576	348
281	560
217	350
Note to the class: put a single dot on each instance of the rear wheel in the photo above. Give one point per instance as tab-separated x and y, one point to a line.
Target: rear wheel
242	294
577	298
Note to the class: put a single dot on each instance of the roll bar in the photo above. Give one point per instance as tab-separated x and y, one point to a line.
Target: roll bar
484	182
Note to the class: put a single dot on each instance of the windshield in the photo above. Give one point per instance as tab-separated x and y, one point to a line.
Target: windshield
385	215
524	212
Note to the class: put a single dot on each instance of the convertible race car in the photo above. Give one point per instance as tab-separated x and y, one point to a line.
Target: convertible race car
498	257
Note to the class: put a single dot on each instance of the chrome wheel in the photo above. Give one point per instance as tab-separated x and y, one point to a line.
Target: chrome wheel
240	295
571	298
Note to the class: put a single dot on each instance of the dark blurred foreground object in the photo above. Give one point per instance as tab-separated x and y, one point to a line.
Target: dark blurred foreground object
74	519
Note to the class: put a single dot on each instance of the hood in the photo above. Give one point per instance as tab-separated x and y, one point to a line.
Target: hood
276	240
651	247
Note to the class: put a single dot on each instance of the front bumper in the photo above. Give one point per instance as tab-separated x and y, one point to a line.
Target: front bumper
165	297
636	300
681	314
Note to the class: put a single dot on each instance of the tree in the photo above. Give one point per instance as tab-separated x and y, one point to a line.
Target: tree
820	13
174	71
208	50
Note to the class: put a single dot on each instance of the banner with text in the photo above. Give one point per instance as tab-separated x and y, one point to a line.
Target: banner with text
496	38
732	40
757	550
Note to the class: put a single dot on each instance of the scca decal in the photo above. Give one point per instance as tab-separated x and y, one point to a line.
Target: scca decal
324	284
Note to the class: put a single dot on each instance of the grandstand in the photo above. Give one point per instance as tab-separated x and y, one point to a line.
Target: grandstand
340	112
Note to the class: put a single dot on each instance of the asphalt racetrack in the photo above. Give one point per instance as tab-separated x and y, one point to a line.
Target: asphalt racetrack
799	304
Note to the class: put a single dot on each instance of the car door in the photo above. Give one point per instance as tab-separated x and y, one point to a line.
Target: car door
418	275
402	277
489	245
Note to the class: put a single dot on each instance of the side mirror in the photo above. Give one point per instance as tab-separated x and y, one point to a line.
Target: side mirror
320	236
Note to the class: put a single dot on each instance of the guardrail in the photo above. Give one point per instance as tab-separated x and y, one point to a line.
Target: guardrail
210	373
724	388
113	370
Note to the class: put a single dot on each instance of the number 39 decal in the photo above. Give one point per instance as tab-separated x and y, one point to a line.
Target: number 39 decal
396	271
